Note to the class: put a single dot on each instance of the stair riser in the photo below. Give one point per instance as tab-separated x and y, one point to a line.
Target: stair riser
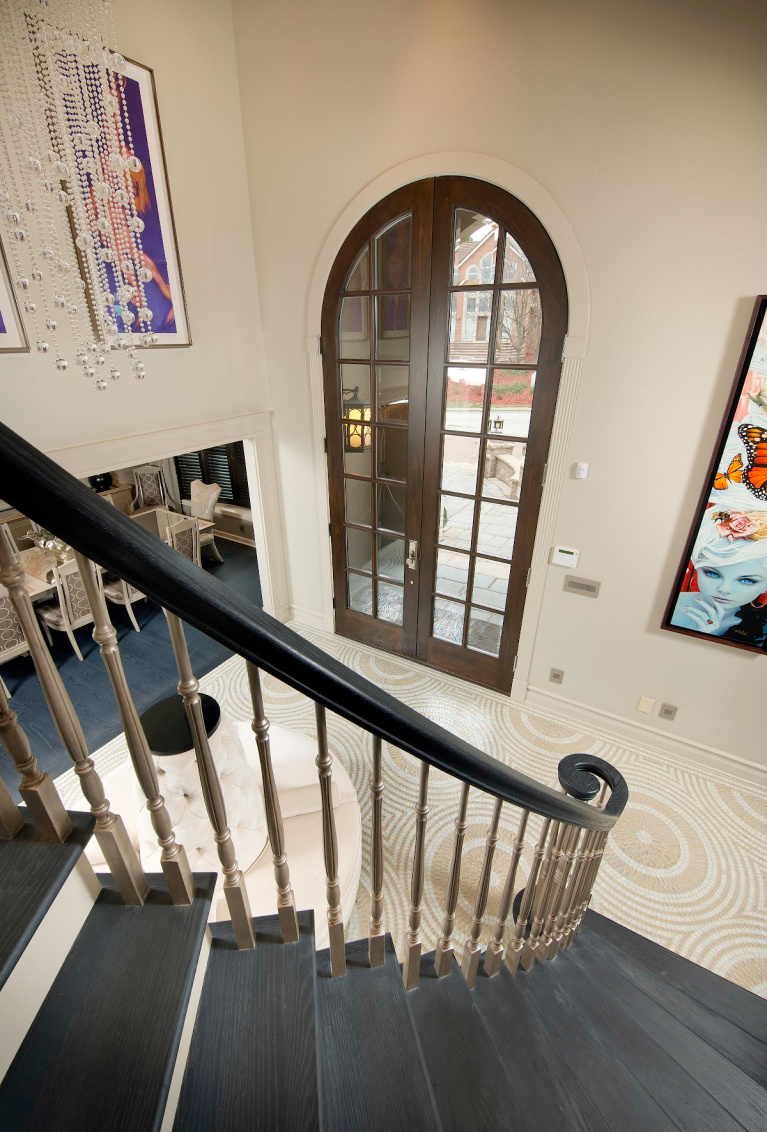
26	987
186	1036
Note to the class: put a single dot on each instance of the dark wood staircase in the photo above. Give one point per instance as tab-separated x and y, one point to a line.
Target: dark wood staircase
617	1033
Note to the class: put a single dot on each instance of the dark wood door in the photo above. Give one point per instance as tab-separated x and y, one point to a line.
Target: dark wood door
443	326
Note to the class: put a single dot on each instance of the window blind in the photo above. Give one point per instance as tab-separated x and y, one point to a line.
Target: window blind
224	465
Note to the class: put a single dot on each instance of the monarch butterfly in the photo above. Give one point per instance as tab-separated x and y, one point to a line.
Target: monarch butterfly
734	474
755	440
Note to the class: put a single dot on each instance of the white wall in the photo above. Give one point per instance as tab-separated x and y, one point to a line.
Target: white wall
645	123
190	46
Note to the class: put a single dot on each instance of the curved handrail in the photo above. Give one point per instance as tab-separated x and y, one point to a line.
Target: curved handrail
46	493
579	775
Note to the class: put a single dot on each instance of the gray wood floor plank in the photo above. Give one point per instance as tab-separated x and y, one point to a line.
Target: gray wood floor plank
467	1077
668	1021
548	1089
101	1050
253	1058
32	873
372	1074
717	994
620	1028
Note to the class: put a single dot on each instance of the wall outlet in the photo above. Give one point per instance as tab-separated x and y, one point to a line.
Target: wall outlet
667	711
556	675
645	704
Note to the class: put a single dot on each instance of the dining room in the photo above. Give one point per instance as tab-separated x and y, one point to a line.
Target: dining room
195	503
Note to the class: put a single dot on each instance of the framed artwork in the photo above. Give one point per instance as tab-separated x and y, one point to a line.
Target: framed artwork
13	338
720	591
165	291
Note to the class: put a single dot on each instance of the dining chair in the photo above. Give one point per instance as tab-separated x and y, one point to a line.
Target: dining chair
12	640
73	609
150	487
120	592
203	498
17	530
185	538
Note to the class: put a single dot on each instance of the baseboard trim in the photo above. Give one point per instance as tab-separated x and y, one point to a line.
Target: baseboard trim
311	618
695	755
227	537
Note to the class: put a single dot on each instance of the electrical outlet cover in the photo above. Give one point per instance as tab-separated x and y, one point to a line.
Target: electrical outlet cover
667	711
556	675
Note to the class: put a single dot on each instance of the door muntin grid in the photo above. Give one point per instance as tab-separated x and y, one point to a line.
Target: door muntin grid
491	355
373	349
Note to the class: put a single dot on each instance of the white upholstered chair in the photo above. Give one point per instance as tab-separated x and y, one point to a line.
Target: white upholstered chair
12	640
150	487
203	500
297	783
72	609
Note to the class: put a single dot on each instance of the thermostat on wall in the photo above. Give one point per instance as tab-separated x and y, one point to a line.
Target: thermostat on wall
564	556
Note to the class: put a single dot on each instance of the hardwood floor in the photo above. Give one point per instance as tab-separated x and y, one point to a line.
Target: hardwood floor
147	658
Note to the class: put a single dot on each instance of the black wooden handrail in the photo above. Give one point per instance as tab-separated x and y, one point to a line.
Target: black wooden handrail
46	493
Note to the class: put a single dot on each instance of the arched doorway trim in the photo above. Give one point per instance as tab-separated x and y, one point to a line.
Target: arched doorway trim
531	193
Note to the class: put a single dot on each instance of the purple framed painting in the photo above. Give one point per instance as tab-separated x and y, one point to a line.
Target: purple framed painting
165	291
720	592
13	338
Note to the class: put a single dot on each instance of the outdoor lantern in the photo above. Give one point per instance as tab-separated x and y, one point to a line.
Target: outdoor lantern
356	433
497	424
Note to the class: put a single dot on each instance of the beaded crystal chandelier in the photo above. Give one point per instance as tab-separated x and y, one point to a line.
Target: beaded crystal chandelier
67	177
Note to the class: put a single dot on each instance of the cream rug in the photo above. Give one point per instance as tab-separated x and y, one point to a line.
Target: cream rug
686	864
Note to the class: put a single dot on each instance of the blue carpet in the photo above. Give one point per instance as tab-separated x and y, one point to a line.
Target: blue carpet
147	658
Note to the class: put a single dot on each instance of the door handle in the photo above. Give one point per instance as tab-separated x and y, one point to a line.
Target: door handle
412	555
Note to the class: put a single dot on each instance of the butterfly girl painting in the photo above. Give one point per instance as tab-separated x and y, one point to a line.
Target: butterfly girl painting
721	587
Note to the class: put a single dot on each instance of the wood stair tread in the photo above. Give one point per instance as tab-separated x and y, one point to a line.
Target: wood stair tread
722	1082
547	1088
101	1050
253	1061
639	1081
467	1076
371	1069
717	994
32	873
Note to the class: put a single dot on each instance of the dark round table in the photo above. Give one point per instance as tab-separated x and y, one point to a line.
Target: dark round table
167	729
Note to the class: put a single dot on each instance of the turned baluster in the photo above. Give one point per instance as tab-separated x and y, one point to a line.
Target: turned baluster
596	861
543	898
514	950
173	858
568	899
377	940
110	830
471	949
411	967
235	891
546	946
443	955
494	953
286	901
330	849
37	790
592	847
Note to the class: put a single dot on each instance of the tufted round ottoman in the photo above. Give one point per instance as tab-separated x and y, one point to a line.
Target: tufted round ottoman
170	741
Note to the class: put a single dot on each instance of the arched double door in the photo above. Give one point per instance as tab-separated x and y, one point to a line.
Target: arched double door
442	333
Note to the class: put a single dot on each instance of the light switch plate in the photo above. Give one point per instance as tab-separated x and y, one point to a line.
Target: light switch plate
565	556
581	471
645	704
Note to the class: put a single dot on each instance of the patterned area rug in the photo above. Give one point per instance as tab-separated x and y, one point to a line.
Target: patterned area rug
686	864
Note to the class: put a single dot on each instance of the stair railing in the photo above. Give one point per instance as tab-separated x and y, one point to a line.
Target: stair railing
548	911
